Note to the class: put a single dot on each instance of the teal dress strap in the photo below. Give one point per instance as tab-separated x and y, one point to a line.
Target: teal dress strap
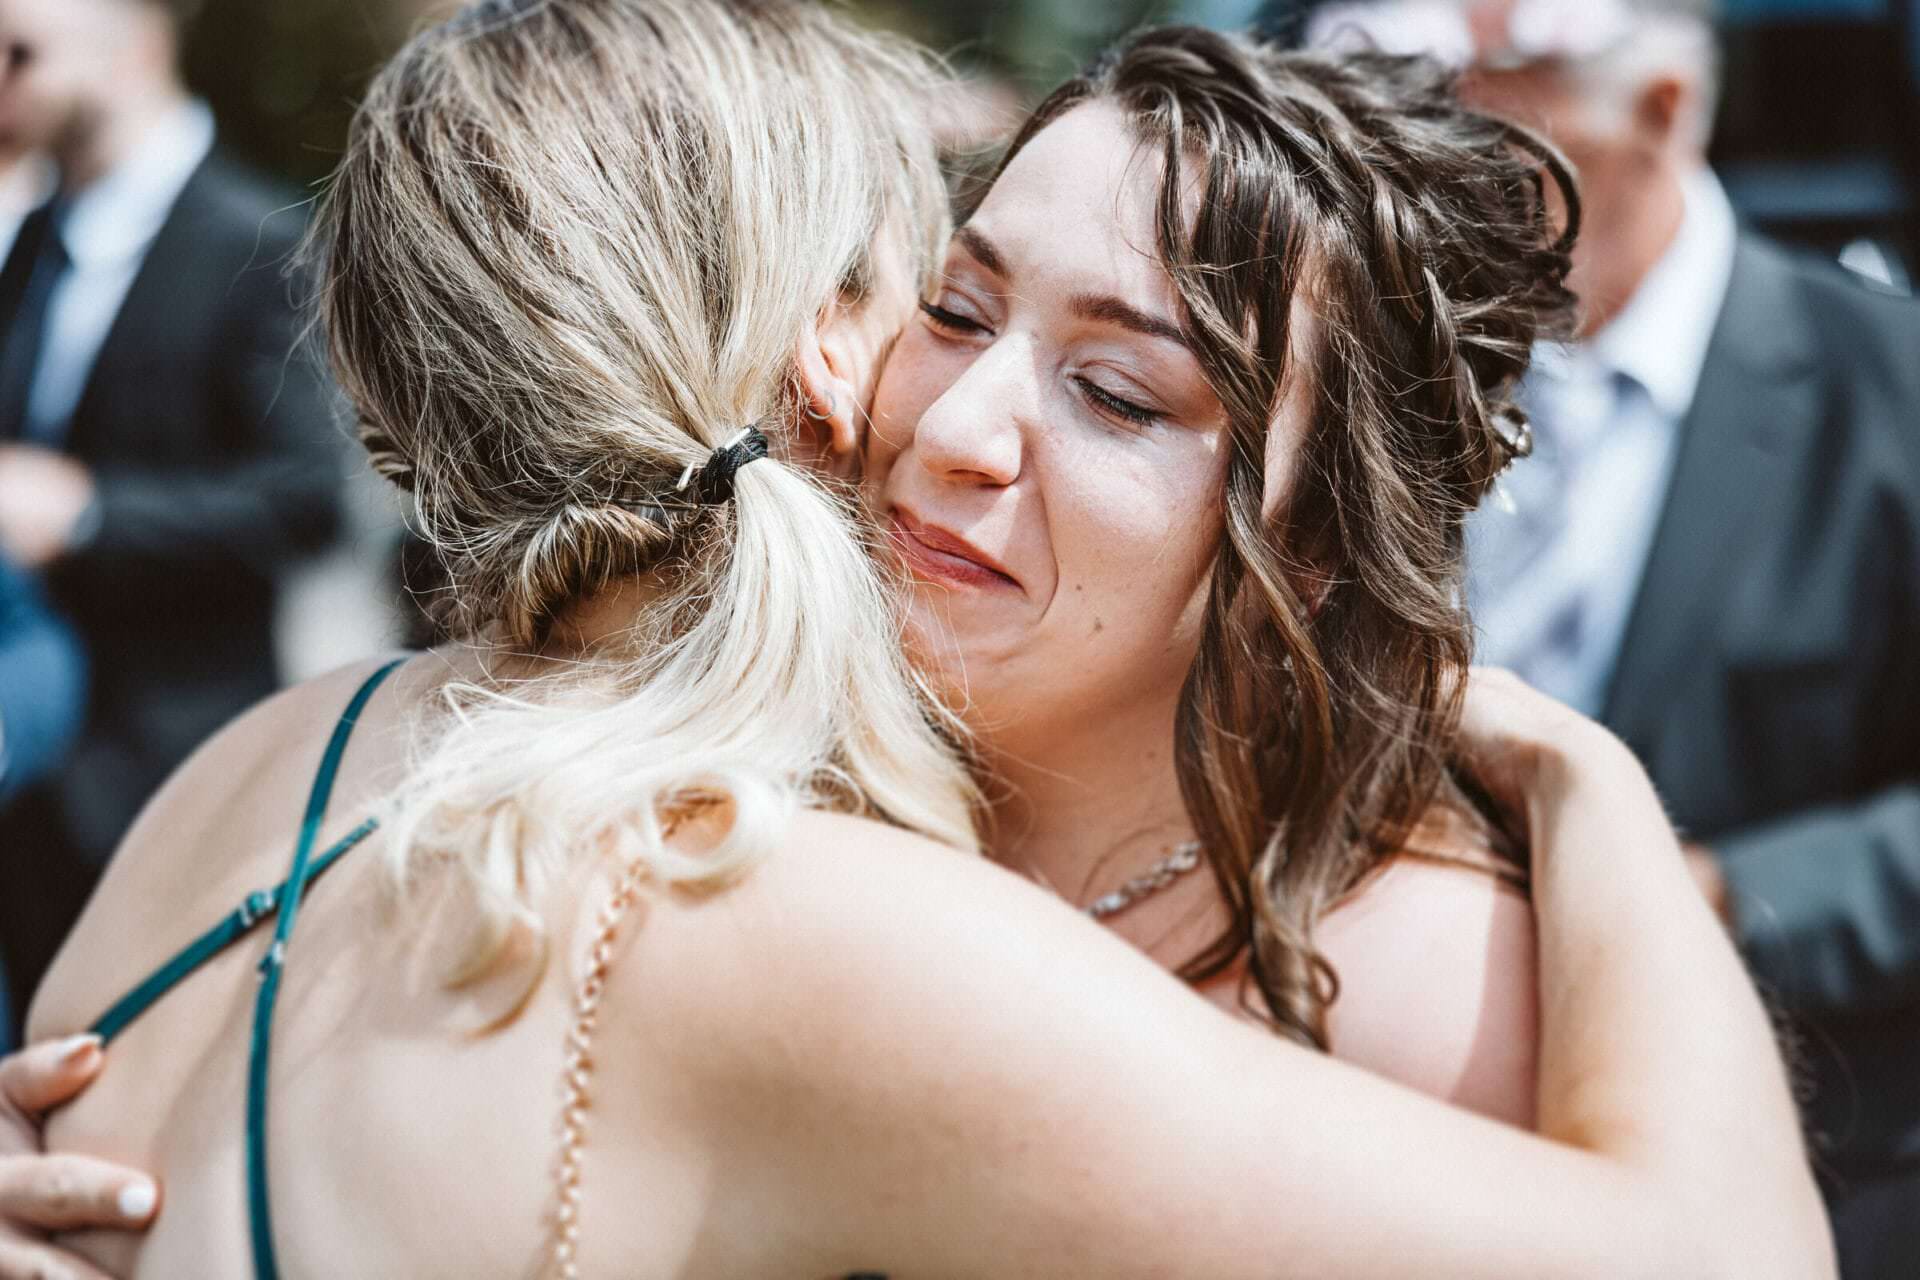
259	1206
261	906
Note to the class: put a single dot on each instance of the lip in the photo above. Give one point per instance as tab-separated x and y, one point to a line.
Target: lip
945	556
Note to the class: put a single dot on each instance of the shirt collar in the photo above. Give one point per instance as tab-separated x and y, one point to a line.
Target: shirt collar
1660	337
117	216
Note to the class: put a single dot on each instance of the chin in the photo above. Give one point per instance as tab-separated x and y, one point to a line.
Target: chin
956	654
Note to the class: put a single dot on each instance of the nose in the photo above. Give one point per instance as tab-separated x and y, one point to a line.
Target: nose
972	435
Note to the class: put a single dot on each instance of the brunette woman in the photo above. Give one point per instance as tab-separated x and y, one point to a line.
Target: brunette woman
1179	452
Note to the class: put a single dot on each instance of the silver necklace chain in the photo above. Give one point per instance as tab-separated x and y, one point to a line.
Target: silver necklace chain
1183	859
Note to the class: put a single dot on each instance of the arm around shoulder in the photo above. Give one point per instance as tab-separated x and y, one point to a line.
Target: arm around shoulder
955	1074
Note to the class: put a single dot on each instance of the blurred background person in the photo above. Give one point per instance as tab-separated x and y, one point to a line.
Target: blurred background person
164	453
1715	545
42	699
1815	128
41	664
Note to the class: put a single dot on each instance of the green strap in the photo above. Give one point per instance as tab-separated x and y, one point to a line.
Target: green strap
259	907
259	1204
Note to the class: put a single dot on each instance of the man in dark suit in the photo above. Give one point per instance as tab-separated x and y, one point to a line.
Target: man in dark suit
163	451
1716	550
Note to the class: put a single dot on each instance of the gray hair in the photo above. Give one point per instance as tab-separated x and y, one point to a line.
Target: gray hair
1663	37
1609	48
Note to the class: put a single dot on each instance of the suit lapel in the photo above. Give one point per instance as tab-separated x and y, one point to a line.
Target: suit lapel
1757	392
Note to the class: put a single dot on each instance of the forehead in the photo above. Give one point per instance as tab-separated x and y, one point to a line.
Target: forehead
56	18
1077	205
1540	96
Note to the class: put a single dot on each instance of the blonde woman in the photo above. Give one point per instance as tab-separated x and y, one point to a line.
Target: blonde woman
667	958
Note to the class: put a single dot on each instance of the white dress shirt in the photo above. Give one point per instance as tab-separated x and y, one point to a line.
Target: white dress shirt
108	228
1556	558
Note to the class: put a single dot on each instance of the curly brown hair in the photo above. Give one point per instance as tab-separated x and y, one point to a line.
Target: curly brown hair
1316	724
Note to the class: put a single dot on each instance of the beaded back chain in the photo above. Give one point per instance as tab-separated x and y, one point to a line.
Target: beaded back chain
579	1073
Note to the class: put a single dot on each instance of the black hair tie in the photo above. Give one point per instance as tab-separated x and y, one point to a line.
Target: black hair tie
712	484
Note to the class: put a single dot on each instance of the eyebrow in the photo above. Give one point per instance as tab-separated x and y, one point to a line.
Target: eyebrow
1088	306
982	250
1112	310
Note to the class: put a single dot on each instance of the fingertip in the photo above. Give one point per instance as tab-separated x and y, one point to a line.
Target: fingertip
137	1201
50	1072
80	1053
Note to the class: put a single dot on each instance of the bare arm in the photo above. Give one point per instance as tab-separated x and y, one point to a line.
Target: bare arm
956	1075
1655	1050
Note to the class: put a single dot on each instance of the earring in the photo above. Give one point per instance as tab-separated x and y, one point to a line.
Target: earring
833	408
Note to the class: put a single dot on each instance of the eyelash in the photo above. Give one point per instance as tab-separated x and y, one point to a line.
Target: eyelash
949	320
1139	415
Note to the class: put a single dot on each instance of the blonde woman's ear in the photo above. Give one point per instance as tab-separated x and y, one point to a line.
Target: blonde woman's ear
829	407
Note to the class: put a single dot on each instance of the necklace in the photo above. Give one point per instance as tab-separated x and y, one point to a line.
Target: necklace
1183	859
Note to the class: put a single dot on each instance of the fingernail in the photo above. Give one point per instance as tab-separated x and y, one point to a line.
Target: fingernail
73	1048
137	1199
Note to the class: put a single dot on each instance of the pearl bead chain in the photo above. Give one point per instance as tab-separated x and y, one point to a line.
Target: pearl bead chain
578	1074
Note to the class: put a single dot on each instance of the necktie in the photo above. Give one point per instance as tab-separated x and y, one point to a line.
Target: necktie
27	282
1534	569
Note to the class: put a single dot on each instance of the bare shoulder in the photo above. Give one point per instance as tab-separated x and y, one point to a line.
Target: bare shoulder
200	844
853	906
854	941
883	1021
257	761
1439	985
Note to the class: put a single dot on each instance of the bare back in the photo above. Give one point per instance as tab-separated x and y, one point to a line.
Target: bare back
403	1140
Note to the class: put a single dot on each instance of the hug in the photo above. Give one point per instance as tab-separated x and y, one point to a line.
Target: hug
957	752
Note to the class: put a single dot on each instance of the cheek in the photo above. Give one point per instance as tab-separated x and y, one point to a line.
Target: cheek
1135	540
912	379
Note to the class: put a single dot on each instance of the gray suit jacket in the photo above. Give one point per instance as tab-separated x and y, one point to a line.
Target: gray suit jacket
1770	681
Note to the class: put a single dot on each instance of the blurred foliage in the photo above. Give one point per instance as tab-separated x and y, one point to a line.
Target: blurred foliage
282	75
1034	44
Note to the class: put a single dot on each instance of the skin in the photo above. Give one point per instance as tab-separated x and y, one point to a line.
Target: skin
1043	416
82	80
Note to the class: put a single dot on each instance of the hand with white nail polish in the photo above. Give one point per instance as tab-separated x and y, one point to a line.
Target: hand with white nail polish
41	1194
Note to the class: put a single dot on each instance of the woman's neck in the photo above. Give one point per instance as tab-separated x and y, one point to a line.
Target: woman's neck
608	618
1090	804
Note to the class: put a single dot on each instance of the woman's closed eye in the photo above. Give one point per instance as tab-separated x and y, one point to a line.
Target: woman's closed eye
951	321
1117	406
955	317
